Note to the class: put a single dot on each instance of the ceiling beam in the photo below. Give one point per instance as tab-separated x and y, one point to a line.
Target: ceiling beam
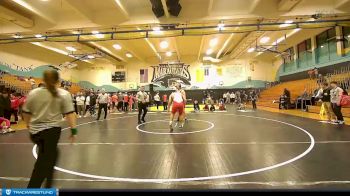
228	40
287	5
210	7
254	5
15	18
341	3
79	6
132	52
153	48
105	50
176	48
37	11
165	8
122	9
43	45
200	48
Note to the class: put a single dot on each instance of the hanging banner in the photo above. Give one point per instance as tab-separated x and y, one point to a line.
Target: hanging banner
168	74
199	75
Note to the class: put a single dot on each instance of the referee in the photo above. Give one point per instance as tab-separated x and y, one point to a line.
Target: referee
42	114
142	105
102	101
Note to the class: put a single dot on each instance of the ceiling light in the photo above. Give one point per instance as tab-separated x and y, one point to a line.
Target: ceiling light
76	32
38	35
322	46
209	51
287	23
213	42
157	30
17	36
71	48
348	36
250	50
264	40
221	26
90	56
99	35
117	47
169	54
297	29
128	55
164	44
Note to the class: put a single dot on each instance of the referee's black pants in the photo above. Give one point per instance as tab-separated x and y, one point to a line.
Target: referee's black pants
46	142
100	106
142	108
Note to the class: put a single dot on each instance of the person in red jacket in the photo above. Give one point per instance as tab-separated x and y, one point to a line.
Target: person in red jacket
165	102
5	125
131	102
126	102
15	102
22	100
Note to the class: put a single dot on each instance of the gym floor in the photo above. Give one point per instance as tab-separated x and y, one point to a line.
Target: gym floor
223	150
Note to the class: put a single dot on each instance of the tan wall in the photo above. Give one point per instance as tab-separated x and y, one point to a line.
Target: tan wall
25	54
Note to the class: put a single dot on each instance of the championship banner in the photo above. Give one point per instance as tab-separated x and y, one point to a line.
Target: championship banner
168	74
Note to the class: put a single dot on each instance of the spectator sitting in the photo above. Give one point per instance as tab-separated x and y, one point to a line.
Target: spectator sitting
5	125
212	108
320	79
222	107
311	74
315	72
196	106
32	82
206	107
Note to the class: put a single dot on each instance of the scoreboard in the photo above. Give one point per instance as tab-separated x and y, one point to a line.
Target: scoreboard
118	76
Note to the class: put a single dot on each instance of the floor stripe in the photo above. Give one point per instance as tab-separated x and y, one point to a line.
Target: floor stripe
199	143
276	184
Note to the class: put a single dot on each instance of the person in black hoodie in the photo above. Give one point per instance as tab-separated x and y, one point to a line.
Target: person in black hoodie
324	94
6	105
1	105
93	98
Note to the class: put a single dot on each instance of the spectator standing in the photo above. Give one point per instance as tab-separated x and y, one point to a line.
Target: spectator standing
336	93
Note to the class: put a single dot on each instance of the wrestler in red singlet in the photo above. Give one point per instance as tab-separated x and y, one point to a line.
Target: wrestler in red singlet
178	102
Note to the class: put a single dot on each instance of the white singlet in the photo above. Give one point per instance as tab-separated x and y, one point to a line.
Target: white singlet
178	97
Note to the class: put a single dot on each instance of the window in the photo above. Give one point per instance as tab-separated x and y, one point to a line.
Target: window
143	75
326	37
304	47
346	33
288	55
206	71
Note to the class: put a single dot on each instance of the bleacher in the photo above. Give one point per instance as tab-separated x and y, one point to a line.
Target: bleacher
14	83
296	88
21	86
341	76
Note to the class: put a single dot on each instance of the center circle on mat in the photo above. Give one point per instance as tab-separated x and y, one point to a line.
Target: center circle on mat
167	180
210	126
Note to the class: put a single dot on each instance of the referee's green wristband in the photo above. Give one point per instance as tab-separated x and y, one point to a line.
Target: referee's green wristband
74	131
